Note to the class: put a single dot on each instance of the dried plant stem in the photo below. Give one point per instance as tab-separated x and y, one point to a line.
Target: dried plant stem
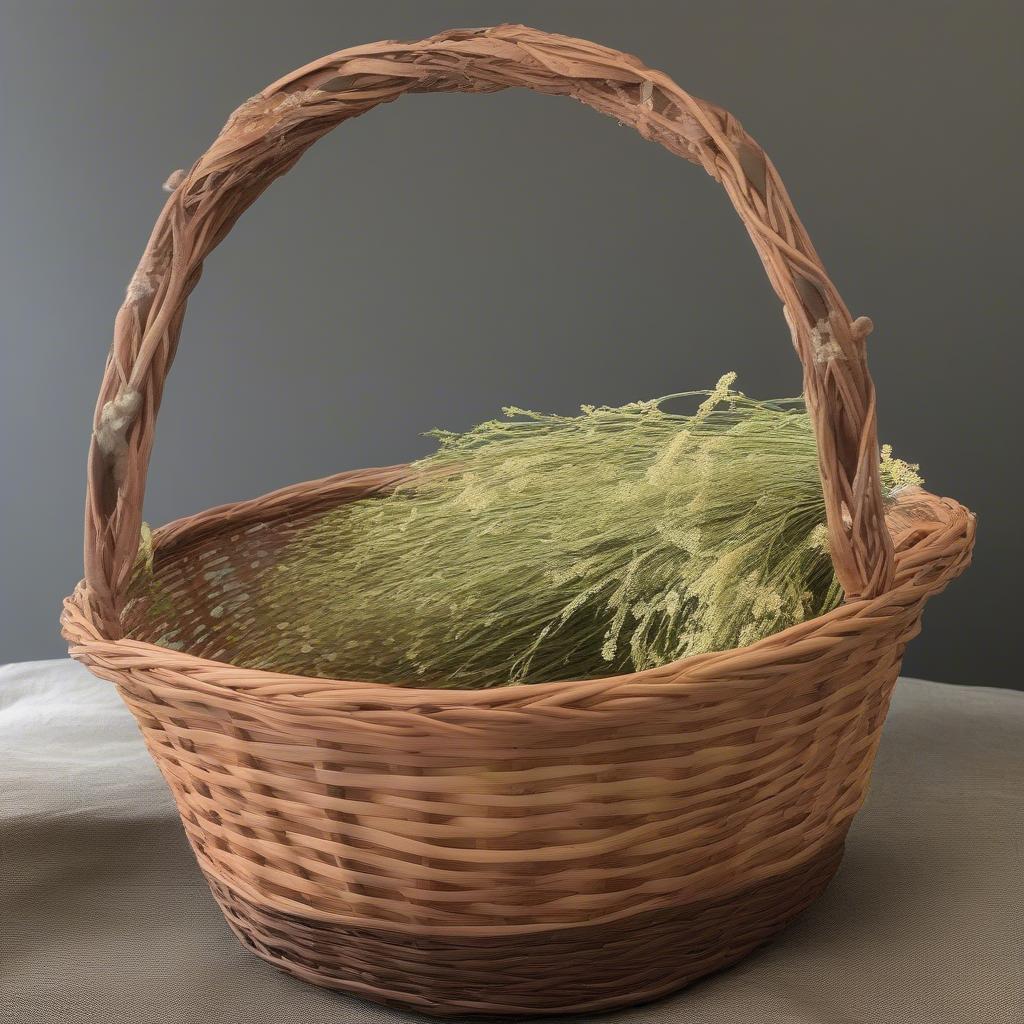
540	547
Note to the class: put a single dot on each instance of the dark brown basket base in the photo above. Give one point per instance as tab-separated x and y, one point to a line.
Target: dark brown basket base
568	971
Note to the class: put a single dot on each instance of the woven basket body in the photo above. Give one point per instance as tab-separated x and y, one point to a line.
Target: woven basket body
558	847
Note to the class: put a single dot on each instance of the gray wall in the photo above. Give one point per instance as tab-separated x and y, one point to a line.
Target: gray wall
448	255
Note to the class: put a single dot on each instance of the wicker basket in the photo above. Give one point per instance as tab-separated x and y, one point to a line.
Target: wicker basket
565	846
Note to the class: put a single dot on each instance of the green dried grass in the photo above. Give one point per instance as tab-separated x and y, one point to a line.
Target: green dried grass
541	547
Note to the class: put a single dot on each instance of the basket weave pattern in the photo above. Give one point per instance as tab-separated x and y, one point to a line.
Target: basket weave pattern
530	849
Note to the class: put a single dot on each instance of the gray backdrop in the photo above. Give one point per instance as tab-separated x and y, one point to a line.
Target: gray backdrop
447	255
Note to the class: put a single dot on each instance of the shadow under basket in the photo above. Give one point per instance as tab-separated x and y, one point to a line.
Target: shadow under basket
558	847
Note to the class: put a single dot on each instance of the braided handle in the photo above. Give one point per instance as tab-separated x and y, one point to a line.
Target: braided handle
268	134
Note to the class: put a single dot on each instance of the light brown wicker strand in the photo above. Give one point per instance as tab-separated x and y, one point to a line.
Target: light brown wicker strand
559	847
265	137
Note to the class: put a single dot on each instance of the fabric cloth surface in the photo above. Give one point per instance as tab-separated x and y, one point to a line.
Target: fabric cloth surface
105	918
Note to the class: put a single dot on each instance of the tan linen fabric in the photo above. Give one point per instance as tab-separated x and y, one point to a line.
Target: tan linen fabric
105	919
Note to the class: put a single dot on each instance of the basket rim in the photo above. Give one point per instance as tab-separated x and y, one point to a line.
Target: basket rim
933	537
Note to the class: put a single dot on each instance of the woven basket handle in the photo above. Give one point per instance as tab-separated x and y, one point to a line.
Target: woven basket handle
268	133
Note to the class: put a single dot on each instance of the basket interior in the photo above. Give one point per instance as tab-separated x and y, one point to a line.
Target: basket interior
203	594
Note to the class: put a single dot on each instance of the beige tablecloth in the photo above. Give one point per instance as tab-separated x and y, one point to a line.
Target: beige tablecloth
105	919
